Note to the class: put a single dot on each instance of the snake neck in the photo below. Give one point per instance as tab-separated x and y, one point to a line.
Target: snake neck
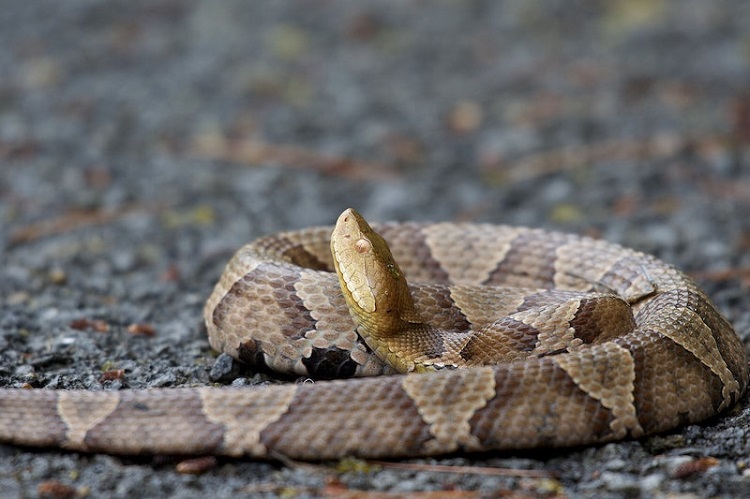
376	291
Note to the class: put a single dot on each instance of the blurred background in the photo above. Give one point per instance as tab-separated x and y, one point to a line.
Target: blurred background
142	142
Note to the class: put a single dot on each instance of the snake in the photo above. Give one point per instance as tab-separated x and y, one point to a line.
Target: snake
448	338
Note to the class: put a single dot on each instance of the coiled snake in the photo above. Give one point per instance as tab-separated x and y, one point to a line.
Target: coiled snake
592	343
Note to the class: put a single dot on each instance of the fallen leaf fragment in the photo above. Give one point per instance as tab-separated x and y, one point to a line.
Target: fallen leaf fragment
85	324
142	329
694	467
196	466
58	490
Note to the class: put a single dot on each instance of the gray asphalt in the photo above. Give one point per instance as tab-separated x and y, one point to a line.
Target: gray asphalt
142	142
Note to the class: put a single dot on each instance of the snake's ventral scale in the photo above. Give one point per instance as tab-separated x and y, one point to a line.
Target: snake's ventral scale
531	339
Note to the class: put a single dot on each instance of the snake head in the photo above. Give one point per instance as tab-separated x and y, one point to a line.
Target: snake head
373	284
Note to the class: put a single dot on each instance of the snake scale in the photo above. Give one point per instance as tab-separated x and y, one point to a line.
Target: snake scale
532	339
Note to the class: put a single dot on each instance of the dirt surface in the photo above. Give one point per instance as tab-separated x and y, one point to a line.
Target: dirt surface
142	142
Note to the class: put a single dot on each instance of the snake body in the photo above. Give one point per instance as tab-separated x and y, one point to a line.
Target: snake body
592	342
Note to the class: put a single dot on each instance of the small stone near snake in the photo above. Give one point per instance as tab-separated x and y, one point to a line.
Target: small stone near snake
225	369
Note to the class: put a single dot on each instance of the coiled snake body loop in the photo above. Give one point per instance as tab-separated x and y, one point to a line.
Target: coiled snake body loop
594	342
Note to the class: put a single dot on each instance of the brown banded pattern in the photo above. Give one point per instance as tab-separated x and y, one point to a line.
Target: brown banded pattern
593	343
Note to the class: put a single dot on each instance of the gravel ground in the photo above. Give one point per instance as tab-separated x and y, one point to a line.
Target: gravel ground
142	142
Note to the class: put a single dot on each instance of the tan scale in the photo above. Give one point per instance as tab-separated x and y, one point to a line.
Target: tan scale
461	397
607	378
82	412
245	417
485	254
703	345
478	308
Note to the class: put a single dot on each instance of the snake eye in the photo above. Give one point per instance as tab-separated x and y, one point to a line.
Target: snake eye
362	246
